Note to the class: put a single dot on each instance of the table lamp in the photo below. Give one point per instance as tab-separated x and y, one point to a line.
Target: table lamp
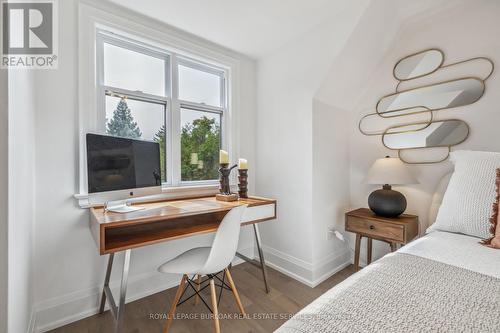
387	202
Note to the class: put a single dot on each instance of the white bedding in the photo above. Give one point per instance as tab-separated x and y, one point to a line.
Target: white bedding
456	250
449	248
452	249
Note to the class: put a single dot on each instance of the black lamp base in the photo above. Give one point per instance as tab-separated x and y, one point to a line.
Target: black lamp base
387	202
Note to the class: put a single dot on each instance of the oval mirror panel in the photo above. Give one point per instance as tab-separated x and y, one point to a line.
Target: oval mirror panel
445	133
439	96
374	124
419	64
424	155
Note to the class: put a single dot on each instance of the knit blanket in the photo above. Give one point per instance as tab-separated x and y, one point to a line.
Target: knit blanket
405	293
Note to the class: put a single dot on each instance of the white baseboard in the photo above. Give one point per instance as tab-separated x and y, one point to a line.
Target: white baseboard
65	309
31	326
310	274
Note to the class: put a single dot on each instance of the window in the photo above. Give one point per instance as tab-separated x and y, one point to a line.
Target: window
153	94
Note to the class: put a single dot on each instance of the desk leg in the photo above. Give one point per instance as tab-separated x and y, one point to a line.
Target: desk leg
123	292
106	282
261	255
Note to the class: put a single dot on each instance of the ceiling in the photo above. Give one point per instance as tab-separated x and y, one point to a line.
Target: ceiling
252	27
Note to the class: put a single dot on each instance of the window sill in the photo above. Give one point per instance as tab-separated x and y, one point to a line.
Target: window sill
86	200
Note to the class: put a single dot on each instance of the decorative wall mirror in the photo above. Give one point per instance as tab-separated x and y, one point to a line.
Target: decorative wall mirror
418	64
435	97
405	119
443	133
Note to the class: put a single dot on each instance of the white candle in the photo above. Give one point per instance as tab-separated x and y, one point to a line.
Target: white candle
223	157
242	164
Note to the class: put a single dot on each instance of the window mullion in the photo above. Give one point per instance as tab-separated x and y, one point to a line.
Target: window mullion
175	127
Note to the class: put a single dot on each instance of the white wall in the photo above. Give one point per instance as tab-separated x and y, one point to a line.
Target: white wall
467	30
69	272
308	92
21	203
287	82
4	120
330	187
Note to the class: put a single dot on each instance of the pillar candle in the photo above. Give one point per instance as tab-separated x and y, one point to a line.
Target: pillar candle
242	164
223	157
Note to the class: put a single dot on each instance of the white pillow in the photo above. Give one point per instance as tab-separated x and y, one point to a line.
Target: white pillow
467	203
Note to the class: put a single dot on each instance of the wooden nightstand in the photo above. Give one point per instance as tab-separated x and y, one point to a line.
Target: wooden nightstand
393	230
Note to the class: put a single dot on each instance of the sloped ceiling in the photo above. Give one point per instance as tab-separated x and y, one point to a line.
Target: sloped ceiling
254	28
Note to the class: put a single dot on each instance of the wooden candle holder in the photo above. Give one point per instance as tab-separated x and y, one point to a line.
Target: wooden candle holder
224	188
243	183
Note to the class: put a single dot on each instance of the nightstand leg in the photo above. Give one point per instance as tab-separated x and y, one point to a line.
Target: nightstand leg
393	247
356	252
368	251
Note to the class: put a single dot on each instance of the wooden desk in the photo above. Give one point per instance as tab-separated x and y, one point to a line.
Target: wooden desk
163	221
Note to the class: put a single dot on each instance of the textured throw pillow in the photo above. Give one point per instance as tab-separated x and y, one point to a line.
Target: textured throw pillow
466	206
494	240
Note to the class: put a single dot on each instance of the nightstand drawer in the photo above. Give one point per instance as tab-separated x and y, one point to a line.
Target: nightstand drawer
375	228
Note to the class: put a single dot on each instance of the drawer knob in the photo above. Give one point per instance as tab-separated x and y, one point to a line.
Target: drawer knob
372	227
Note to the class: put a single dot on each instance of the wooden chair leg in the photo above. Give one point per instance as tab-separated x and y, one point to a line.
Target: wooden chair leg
177	297
235	291
198	283
214	306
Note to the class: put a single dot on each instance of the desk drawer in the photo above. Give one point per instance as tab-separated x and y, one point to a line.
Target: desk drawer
259	213
375	228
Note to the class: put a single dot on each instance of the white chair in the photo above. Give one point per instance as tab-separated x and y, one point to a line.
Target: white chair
208	261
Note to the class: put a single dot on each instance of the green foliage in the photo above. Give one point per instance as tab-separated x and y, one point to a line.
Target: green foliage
160	137
122	124
203	138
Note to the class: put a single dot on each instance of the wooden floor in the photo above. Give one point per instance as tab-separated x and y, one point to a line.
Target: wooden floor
267	311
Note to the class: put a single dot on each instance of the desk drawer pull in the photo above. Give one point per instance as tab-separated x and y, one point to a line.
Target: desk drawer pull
372	227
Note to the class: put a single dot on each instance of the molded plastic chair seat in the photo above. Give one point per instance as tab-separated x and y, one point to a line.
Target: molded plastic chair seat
189	262
208	261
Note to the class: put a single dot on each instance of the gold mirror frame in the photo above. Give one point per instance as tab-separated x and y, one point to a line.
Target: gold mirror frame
431	116
414	54
427	109
418	130
400	156
483	86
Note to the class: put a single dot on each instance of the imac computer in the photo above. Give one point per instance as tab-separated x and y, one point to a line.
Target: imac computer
115	163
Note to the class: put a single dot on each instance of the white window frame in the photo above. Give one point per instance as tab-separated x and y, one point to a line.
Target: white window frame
172	104
94	15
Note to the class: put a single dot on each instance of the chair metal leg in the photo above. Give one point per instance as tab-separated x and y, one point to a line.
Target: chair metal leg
261	255
178	296
123	292
214	306
106	282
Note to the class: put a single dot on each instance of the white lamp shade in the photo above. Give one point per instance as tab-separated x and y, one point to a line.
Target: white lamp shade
390	171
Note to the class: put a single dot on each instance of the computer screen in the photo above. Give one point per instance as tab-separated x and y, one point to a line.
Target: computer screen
115	163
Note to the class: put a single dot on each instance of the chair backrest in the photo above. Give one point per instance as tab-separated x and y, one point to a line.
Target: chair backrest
225	241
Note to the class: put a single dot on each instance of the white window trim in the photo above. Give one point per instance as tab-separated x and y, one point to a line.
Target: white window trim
94	16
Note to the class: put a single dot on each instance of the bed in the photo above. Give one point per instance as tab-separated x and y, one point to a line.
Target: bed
442	282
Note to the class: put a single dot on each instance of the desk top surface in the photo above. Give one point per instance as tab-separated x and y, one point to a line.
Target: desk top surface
163	210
